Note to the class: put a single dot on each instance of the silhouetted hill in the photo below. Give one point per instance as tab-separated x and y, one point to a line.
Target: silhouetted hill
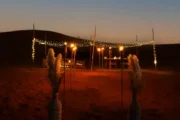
16	48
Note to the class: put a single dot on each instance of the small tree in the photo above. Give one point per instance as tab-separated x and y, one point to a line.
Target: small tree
135	85
134	73
55	76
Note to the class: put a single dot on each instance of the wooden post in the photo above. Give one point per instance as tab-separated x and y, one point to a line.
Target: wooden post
110	55
121	54
71	69
154	50
99	59
74	59
90	51
102	59
45	44
136	45
65	53
92	61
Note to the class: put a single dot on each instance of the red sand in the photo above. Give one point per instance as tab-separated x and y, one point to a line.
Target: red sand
25	94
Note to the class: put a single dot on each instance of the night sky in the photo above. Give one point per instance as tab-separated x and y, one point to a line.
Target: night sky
115	20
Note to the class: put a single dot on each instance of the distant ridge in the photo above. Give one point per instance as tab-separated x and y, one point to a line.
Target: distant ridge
18	45
40	34
55	36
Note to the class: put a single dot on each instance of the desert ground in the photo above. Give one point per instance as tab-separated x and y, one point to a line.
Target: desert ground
25	94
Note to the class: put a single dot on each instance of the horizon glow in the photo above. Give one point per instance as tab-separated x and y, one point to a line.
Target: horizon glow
115	20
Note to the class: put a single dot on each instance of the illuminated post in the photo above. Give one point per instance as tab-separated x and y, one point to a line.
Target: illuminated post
72	45
33	44
90	52
121	49
154	49
136	45
92	61
65	52
99	51
74	52
45	44
102	57
110	53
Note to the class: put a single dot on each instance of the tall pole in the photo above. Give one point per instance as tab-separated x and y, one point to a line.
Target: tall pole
121	79
153	34
90	51
102	58
71	69
122	67
121	48
45	44
33	45
99	59
154	49
74	58
110	55
92	61
33	31
72	63
136	45
65	52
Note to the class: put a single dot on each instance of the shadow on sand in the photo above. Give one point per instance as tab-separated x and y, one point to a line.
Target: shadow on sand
119	114
108	112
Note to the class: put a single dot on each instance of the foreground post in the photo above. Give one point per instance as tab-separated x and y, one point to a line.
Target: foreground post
136	85
99	54
74	59
121	49
92	61
110	55
65	53
102	57
72	46
136	45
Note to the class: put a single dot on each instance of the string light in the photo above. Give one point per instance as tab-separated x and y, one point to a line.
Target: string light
87	43
121	48
65	43
33	49
154	52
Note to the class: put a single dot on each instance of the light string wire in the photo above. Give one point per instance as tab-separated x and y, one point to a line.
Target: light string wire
87	43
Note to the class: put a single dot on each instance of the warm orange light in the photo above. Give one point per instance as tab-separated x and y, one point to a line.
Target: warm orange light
69	61
65	43
155	62
72	45
102	48
74	48
98	49
121	48
110	47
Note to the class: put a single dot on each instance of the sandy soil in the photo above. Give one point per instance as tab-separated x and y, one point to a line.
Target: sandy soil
25	94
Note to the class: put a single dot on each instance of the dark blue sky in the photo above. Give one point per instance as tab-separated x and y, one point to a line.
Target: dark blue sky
116	20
